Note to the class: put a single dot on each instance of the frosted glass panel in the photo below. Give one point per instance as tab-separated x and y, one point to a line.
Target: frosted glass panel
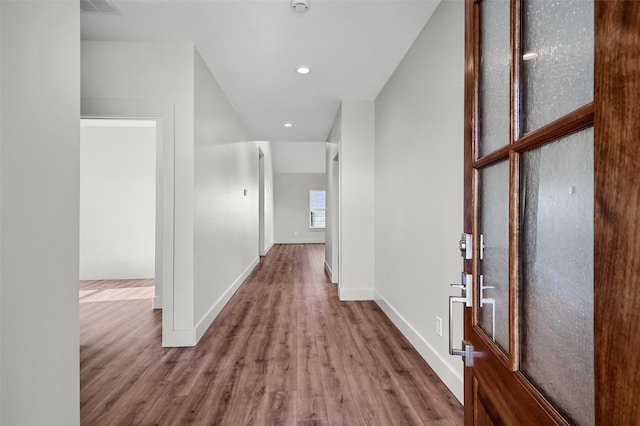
494	227
557	273
494	75
557	61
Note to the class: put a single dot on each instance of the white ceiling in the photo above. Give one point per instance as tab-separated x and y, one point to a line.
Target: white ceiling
254	47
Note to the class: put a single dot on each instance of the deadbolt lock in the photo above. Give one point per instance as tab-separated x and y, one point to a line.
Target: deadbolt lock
465	246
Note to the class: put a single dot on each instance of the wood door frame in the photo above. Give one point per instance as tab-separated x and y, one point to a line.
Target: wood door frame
470	108
617	212
615	114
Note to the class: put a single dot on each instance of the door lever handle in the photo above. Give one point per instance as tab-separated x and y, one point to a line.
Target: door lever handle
467	300
488	301
452	300
465	287
466	352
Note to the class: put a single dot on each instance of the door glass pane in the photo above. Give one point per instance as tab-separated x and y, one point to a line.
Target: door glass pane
494	75
557	273
557	62
494	228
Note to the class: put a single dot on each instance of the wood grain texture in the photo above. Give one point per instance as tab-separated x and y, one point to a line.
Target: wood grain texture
471	60
617	212
284	351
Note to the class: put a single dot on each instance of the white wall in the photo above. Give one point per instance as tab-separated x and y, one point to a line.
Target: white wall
291	207
419	182
40	151
117	200
354	128
225	217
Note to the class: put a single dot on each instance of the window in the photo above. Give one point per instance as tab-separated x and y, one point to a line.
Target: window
317	208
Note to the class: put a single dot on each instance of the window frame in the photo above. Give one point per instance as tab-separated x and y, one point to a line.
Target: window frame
312	210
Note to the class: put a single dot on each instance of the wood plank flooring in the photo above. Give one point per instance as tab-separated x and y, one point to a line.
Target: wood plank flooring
284	351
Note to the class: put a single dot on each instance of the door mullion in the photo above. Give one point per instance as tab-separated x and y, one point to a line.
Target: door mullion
514	185
514	260
576	120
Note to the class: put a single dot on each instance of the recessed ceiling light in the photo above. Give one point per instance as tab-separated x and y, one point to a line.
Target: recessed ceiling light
303	70
288	125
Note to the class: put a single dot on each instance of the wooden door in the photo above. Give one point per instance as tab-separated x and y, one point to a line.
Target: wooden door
552	201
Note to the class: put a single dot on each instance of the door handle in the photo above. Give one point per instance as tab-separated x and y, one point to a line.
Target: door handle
452	300
467	298
466	352
488	301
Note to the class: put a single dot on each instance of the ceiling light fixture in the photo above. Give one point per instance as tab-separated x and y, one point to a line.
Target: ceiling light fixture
288	125
303	70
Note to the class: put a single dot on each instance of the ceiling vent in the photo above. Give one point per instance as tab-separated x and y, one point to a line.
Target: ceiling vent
300	6
99	6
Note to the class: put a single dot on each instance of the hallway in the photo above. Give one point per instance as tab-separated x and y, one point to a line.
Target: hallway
283	351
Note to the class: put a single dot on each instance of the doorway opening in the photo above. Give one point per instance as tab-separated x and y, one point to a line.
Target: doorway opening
334	206
118	176
261	203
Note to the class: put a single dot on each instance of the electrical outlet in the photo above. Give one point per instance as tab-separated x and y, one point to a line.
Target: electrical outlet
439	326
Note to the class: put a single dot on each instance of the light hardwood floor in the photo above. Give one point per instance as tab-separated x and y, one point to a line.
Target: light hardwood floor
284	351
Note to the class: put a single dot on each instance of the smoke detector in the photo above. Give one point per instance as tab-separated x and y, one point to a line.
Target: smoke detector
300	6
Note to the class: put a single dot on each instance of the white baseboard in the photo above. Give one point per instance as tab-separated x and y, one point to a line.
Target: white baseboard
330	274
213	312
156	302
266	250
327	269
302	241
450	376
179	339
355	294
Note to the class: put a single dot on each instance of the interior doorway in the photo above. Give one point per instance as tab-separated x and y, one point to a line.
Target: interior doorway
261	204
335	229
118	187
